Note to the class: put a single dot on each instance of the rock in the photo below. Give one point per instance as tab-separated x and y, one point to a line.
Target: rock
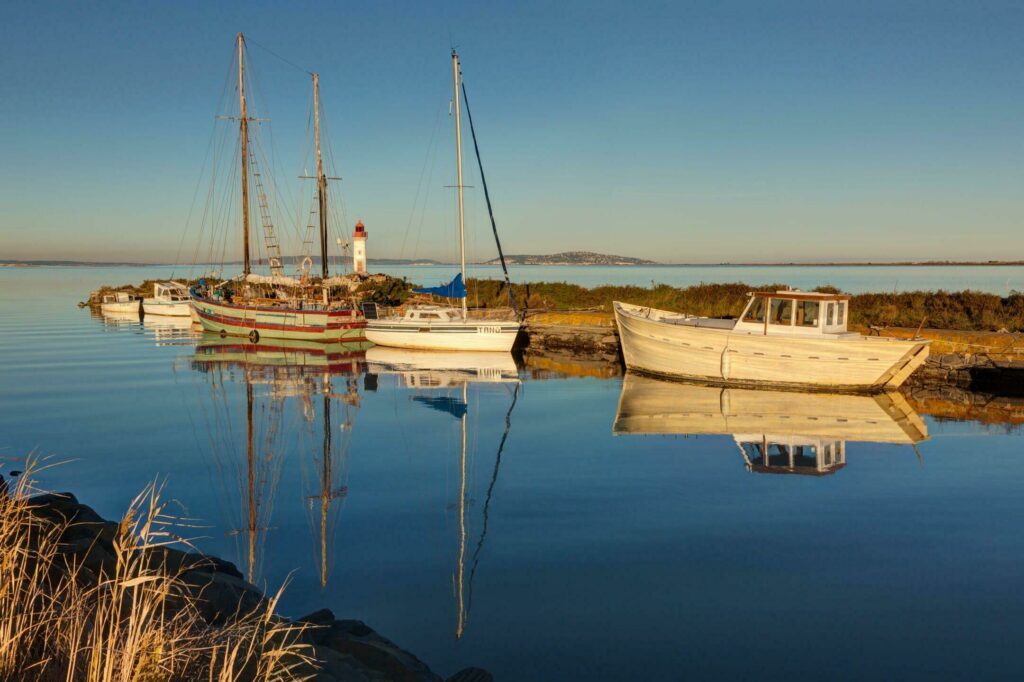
380	655
91	554
221	596
333	665
321	621
471	675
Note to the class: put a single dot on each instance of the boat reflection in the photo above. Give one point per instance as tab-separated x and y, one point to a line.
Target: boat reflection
171	331
284	384
777	431
451	373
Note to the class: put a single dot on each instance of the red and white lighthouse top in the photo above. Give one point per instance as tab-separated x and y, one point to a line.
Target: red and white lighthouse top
360	230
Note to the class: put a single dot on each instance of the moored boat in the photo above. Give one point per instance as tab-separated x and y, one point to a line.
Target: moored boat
278	306
120	302
785	339
434	327
169	298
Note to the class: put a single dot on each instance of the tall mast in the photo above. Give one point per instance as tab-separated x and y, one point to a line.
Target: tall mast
321	181
244	125
458	164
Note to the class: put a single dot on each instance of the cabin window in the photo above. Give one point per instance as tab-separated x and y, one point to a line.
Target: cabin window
781	311
755	312
830	314
840	313
807	313
429	316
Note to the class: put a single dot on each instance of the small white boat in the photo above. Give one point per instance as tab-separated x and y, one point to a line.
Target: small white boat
785	339
170	299
120	302
434	327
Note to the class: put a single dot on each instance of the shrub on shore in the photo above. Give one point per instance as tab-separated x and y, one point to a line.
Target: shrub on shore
962	310
133	617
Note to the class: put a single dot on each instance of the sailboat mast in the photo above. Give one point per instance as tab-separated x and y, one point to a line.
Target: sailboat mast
458	164
321	181
244	130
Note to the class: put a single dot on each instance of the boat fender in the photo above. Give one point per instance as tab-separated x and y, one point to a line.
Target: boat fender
254	336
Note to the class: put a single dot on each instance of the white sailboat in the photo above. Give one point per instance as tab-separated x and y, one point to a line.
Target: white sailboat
436	327
170	299
784	339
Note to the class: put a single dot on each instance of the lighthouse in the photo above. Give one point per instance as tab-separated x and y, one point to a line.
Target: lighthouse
359	248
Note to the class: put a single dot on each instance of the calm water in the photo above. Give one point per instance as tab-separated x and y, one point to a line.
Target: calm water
590	548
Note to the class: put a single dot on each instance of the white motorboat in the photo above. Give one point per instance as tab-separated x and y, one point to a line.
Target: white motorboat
119	302
434	327
169	299
786	339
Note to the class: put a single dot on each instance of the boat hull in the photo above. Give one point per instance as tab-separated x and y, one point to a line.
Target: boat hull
278	323
166	308
497	337
118	308
846	364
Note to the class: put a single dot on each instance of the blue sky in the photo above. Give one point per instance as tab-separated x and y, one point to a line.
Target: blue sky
682	132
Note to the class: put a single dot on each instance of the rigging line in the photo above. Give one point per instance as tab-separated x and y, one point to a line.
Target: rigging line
487	196
283	59
419	184
487	499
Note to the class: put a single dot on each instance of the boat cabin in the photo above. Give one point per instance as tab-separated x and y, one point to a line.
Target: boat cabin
432	314
798	313
119	297
170	291
796	455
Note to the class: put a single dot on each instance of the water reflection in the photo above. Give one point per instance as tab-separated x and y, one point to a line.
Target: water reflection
284	385
443	380
780	432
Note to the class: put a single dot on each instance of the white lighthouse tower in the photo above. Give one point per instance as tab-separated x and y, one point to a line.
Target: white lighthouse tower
359	248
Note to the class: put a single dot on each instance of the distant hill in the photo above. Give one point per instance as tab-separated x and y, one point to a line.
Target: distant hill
571	258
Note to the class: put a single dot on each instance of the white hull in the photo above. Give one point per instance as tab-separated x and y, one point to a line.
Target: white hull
455	335
847	362
119	308
177	309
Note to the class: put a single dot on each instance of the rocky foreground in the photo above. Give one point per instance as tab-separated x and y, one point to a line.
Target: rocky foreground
343	649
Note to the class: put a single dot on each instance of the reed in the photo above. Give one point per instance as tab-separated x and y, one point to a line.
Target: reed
138	620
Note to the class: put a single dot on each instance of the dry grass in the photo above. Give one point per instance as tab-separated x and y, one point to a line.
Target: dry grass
138	620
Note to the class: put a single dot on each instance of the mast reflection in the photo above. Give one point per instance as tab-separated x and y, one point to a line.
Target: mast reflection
274	374
437	371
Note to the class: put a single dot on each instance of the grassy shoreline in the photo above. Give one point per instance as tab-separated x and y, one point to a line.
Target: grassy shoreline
959	310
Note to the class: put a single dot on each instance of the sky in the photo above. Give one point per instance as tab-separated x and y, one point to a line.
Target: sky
696	132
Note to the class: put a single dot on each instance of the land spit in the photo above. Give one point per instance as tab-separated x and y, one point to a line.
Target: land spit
980	345
90	548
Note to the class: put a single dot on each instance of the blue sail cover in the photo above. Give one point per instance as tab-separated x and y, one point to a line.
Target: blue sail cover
454	289
453	406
